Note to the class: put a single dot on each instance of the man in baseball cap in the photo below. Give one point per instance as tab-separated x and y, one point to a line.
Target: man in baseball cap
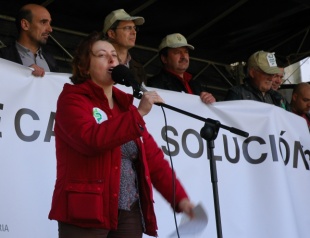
174	55
121	30
262	69
265	61
175	40
120	15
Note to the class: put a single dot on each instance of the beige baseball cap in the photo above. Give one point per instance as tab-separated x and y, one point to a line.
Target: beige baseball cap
266	61
120	15
175	40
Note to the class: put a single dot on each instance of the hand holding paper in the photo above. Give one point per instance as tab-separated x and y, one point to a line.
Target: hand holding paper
189	227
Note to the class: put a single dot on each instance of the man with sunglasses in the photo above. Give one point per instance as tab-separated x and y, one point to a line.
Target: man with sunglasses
121	30
262	69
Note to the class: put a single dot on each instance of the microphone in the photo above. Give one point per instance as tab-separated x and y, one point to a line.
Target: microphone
122	75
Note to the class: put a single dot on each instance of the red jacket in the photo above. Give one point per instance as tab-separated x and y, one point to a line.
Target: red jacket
89	158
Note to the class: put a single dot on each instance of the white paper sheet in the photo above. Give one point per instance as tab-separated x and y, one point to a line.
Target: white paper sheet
191	227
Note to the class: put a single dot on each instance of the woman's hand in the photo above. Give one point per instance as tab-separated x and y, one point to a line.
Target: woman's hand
187	207
147	101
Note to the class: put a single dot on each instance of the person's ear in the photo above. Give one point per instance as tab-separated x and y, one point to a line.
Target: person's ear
163	59
251	72
24	24
111	34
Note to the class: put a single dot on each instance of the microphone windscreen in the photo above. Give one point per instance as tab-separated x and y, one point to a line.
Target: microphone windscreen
122	75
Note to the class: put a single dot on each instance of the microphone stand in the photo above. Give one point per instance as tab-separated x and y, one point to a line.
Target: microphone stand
208	121
208	132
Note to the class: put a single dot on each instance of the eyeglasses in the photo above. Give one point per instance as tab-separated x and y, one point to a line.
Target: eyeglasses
128	28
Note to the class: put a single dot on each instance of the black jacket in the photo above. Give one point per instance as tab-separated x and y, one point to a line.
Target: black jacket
247	92
10	53
168	81
137	70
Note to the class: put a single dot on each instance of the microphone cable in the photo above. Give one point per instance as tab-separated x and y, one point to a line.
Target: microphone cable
173	173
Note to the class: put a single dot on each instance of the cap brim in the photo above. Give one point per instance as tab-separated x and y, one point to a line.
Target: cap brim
137	20
181	45
271	70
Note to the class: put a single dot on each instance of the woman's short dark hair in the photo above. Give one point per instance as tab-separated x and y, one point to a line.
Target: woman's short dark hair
81	59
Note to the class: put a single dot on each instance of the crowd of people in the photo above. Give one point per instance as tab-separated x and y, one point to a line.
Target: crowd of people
105	170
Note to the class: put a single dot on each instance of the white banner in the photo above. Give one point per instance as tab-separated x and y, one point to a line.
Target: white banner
262	179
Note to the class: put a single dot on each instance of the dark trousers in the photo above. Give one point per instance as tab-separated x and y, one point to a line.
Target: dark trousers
129	225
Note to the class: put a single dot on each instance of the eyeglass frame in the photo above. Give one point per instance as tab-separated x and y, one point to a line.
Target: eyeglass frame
127	28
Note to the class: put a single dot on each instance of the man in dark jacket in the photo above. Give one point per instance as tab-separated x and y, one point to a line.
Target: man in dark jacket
174	55
262	68
33	24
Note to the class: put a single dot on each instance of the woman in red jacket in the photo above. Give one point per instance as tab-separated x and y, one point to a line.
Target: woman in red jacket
107	162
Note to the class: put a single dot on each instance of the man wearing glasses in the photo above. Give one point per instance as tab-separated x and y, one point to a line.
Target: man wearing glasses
121	30
278	80
262	69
